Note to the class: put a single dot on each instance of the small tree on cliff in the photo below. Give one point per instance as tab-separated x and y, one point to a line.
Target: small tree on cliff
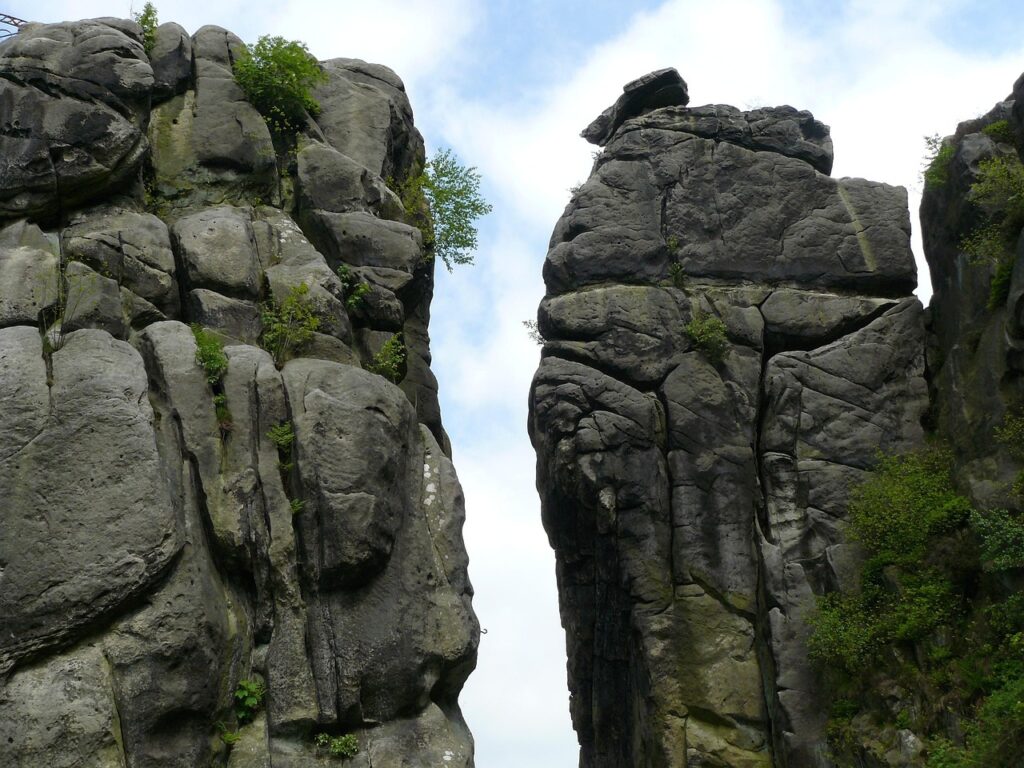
278	77
452	193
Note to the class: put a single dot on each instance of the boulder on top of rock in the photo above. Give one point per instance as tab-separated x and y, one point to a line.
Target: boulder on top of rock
661	88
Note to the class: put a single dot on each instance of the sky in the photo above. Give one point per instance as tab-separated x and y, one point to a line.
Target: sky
508	85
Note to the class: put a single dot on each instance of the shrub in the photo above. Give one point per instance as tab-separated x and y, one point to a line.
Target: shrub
228	737
282	435
248	699
937	161
677	275
451	192
148	21
277	76
843	634
1000	131
290	325
388	361
995	738
355	292
1011	434
1000	188
907	500
338	746
297	505
999	192
707	333
1002	538
210	354
220	405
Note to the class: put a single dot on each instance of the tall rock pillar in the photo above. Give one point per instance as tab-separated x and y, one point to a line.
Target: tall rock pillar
730	338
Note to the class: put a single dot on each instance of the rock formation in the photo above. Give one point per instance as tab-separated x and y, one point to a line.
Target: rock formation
171	537
694	488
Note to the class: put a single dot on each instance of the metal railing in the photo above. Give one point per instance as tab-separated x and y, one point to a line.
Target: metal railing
9	25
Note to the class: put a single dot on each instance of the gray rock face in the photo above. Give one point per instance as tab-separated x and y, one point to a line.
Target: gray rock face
74	104
661	88
721	211
367	117
975	353
696	503
171	59
294	524
209	145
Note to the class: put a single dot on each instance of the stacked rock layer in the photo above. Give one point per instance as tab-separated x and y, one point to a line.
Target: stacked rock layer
157	552
696	504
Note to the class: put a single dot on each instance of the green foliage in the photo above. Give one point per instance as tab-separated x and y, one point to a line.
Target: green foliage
677	275
290	325
672	243
849	630
277	76
297	505
388	362
220	405
148	21
938	157
533	331
1000	131
922	574
908	500
999	192
248	699
1000	186
451	193
338	746
1011	434
985	244
942	753
282	435
999	291
210	354
995	736
228	737
1002	538
843	634
71	292
707	333
355	292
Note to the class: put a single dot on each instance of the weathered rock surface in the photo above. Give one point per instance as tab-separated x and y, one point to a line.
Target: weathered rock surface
74	106
166	536
976	349
696	505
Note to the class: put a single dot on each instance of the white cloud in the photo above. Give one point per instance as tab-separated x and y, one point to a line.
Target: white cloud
420	39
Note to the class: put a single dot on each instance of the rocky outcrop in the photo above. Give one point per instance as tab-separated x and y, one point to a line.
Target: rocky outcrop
172	535
977	343
695	489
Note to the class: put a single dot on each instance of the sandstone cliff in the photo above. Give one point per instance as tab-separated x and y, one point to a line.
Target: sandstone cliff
694	492
171	539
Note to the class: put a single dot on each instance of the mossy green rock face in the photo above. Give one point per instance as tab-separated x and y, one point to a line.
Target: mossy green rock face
696	501
157	546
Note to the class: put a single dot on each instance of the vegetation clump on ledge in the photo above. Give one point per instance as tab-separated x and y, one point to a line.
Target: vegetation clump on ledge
278	77
930	617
